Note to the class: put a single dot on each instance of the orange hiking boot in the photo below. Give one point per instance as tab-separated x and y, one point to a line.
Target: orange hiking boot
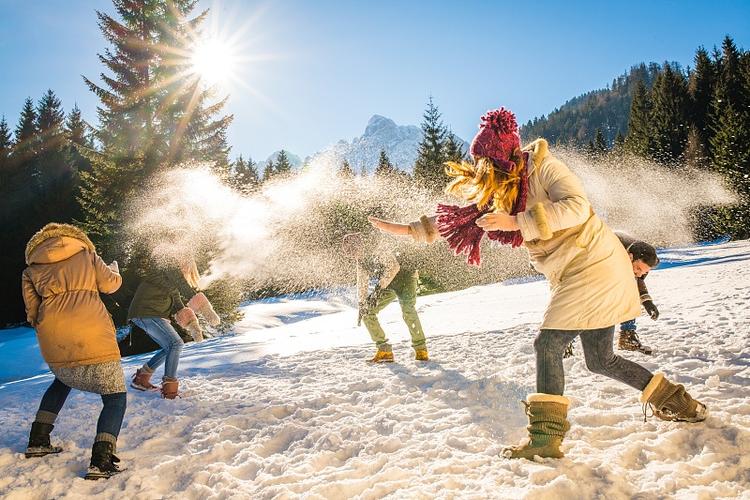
382	357
421	355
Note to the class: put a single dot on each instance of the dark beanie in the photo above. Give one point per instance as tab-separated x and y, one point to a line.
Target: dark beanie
644	252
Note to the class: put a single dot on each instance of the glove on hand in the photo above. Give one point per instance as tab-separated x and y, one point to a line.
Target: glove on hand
651	309
200	304
187	319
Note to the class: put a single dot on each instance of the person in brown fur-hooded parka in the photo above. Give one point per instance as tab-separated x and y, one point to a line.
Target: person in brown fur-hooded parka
61	288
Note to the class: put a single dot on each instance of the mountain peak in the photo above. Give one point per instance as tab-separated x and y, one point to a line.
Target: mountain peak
378	124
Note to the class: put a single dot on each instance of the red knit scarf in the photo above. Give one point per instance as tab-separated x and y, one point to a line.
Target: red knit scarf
458	224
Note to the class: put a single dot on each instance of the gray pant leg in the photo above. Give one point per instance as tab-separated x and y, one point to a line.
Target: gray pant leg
597	349
550	346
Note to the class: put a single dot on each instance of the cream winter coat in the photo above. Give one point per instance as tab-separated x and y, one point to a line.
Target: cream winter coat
589	271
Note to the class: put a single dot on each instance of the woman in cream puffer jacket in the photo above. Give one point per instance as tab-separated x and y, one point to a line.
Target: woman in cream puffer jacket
529	197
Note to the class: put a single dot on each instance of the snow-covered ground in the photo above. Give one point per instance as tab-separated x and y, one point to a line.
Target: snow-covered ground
289	408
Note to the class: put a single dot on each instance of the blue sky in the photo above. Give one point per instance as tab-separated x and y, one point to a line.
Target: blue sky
326	66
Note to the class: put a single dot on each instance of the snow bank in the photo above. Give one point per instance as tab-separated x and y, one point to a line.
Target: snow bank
293	410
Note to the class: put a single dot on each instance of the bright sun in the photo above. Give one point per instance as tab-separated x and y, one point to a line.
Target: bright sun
214	61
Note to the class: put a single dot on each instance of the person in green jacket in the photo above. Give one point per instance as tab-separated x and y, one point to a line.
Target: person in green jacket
163	292
393	279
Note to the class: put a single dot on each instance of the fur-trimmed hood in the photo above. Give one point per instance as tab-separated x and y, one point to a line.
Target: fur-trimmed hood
55	242
539	149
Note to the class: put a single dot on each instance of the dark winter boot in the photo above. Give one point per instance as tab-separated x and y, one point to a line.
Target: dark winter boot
39	444
671	402
103	461
547	427
142	380
169	388
628	341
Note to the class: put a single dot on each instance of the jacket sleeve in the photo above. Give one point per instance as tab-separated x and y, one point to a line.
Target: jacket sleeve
31	299
179	289
642	290
107	281
424	230
566	204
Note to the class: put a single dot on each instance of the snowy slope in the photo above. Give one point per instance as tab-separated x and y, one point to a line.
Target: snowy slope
293	410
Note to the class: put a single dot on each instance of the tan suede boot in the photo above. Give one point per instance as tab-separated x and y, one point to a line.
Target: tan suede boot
671	402
547	427
421	355
169	388
142	380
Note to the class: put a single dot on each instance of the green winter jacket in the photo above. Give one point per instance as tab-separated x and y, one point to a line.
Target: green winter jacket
161	293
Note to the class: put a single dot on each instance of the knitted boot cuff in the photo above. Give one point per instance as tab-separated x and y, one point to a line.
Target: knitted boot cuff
147	368
540	397
651	387
45	417
108	438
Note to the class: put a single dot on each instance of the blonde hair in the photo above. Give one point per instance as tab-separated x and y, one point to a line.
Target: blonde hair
481	182
189	271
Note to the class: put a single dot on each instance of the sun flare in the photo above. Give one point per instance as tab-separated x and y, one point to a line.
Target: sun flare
214	61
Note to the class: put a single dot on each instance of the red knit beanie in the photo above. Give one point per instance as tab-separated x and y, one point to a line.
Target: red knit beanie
498	137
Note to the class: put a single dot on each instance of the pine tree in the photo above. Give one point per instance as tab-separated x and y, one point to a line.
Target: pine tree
26	137
269	171
619	141
701	88
695	151
730	122
638	139
385	167
6	145
77	134
153	113
55	182
283	165
599	144
245	176
429	168
453	148
346	170
669	115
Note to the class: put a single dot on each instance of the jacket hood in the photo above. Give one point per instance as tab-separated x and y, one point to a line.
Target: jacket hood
539	149
56	242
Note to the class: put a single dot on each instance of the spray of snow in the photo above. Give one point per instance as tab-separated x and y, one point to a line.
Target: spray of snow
286	235
652	202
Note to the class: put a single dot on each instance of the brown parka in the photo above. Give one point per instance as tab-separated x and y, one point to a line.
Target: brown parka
61	287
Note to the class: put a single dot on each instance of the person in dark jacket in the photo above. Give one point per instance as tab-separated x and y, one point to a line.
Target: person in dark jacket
644	258
164	292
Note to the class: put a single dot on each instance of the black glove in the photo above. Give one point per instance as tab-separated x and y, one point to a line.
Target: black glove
651	309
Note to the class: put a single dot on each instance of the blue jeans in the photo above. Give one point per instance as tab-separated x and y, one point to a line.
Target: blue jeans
597	349
162	332
628	326
110	418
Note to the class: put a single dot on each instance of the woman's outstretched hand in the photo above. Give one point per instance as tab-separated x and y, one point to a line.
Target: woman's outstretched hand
389	227
498	222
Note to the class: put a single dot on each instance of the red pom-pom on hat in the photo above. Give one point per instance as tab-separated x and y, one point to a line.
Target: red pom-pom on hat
498	137
502	121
